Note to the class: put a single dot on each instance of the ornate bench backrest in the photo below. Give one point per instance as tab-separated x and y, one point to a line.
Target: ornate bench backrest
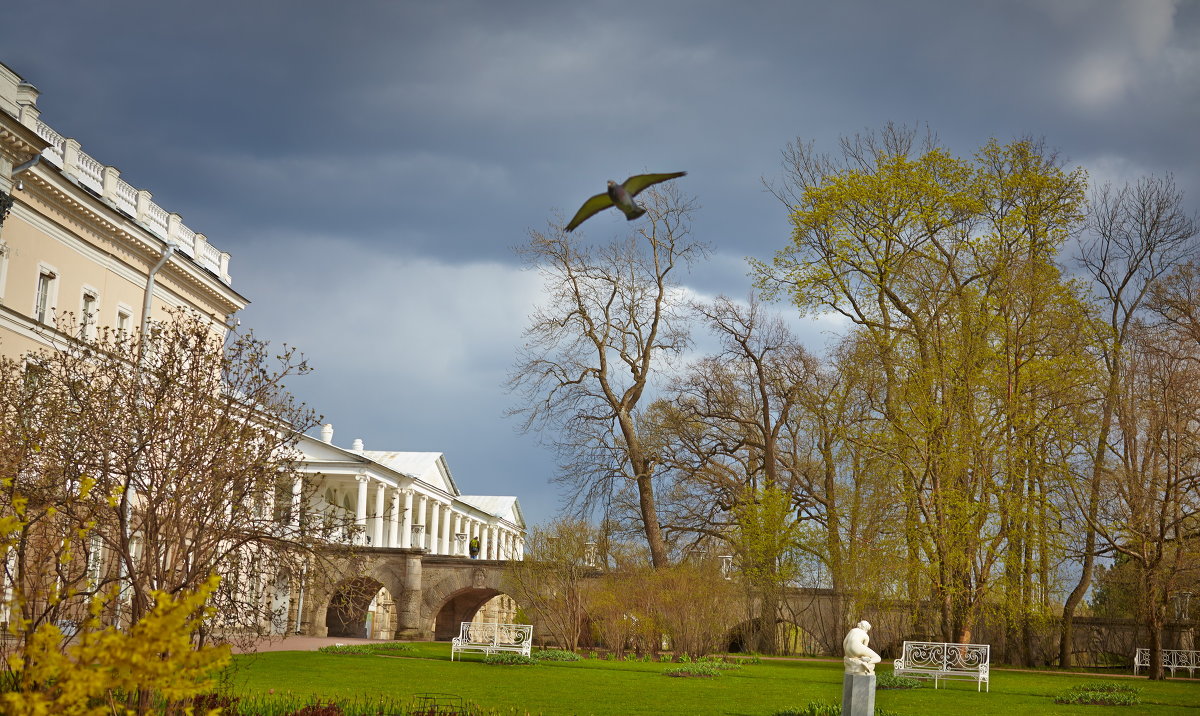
948	657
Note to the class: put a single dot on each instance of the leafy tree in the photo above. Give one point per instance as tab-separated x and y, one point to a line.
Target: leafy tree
935	261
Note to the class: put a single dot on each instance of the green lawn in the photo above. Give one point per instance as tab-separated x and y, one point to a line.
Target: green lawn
619	688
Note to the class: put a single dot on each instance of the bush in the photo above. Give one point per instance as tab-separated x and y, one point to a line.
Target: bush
555	655
693	670
508	659
1100	693
823	708
719	663
386	649
888	681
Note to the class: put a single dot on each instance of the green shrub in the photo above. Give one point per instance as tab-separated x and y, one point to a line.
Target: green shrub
696	670
555	655
508	658
813	708
385	649
824	708
718	662
1100	693
888	681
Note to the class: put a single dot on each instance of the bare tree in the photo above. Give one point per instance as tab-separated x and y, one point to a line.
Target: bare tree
149	463
1150	496
549	582
1139	232
592	352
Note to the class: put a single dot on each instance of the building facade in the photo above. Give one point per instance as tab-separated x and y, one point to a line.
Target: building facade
78	239
84	251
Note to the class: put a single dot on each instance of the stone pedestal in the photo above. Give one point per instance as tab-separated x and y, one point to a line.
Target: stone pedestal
858	695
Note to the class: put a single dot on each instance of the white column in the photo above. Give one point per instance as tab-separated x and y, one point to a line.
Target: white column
406	525
457	521
360	506
435	528
297	493
419	519
377	521
484	542
447	533
394	523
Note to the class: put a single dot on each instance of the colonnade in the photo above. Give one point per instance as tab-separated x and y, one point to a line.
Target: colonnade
406	518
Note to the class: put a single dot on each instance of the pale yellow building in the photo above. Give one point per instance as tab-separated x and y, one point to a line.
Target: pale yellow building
78	238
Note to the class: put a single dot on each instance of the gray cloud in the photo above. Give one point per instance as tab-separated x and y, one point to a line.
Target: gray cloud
370	164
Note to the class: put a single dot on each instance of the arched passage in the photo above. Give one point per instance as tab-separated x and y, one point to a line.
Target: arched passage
789	638
463	605
361	607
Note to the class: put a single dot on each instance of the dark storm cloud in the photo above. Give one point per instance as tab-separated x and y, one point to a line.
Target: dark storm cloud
370	164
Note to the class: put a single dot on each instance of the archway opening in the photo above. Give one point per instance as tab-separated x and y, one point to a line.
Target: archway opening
788	639
479	604
361	608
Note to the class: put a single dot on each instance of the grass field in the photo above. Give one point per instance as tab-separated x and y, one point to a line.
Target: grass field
619	688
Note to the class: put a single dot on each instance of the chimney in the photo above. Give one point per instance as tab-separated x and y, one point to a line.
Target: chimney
327	433
357	444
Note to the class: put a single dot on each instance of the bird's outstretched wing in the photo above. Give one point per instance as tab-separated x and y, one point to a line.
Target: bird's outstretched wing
591	206
636	183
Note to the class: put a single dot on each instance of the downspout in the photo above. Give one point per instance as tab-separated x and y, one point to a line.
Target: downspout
166	256
26	166
127	498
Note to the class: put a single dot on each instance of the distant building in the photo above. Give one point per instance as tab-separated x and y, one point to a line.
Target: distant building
408	500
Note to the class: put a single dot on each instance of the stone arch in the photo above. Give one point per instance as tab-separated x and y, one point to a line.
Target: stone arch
460	607
349	607
341	605
455	596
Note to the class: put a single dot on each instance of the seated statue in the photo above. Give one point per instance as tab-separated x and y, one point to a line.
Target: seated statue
859	658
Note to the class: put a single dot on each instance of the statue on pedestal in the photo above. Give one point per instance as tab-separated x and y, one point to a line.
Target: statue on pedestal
859	658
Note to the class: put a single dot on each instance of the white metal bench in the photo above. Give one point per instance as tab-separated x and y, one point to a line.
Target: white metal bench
1172	659
942	660
491	638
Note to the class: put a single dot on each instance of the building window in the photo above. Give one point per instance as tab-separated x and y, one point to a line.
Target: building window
124	317
94	559
43	309
89	309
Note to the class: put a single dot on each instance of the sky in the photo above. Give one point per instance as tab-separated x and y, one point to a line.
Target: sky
370	166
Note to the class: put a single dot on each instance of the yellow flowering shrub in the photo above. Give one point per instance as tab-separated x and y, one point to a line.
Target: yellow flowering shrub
107	671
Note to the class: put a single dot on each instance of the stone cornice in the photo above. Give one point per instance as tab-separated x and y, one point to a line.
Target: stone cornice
17	141
72	200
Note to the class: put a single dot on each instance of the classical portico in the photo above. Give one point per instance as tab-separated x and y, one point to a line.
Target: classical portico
403	500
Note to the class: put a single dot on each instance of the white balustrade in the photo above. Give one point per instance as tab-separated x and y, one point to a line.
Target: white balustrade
90	172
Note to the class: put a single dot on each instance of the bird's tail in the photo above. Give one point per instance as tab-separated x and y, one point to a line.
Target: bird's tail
637	211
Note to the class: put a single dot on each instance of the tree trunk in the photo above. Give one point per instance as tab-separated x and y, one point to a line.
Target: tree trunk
654	538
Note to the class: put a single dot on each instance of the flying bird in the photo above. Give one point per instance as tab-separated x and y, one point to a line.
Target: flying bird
621	196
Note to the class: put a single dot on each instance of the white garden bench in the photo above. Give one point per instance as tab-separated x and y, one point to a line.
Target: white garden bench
491	638
942	660
1172	659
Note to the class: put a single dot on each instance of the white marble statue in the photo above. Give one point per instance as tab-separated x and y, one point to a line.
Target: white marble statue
859	658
